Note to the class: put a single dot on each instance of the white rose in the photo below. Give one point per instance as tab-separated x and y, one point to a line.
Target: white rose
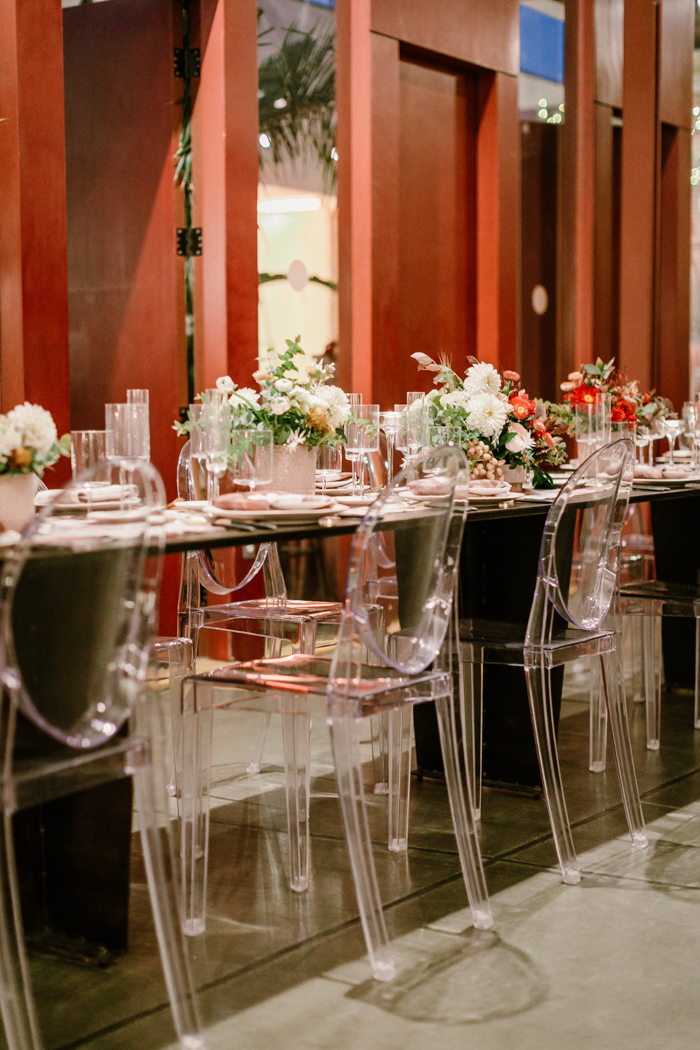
284	385
36	426
520	440
10	438
455	399
225	384
280	405
486	414
482	379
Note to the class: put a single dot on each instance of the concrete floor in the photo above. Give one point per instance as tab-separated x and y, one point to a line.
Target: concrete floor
611	964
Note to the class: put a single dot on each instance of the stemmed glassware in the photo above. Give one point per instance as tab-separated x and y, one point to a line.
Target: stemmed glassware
673	429
353	449
690	417
128	426
643	440
415	422
141	421
216	423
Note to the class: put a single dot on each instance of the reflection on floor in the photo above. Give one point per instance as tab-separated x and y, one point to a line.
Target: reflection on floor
609	963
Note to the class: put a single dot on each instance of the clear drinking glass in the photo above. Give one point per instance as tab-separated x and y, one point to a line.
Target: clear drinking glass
389	422
604	405
87	449
401	439
129	427
251	457
589	430
673	429
643	440
361	436
328	464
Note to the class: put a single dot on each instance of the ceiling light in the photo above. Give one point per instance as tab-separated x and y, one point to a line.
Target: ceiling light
283	205
264	141
543	103
543	114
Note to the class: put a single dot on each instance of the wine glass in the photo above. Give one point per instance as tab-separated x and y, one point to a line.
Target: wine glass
415	422
643	439
328	464
690	416
368	419
673	429
658	432
216	424
142	421
352	449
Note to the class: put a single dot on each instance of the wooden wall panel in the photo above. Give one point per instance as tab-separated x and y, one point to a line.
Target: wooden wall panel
354	108
33	264
385	211
437	195
638	193
609	51
497	236
484	34
671	364
121	224
578	217
676	67
605	278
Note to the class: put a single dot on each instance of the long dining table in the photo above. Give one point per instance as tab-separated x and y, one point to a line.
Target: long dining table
77	905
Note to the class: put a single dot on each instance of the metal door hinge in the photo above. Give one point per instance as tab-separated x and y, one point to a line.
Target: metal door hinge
187	62
189	240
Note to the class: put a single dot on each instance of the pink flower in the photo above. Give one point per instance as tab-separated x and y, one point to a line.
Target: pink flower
511	375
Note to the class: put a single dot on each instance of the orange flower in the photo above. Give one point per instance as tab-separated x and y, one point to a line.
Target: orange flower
521	405
317	418
581	395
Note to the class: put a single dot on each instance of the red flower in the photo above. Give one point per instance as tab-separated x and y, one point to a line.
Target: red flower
522	405
539	426
583	394
549	439
511	375
622	411
646	398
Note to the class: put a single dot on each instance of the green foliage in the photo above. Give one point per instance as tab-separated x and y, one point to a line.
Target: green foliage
302	74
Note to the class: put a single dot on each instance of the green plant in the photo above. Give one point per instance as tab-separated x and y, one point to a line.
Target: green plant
297	98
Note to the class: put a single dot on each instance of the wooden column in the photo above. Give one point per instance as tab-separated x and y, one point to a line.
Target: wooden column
33	262
225	178
638	193
578	217
354	107
498	193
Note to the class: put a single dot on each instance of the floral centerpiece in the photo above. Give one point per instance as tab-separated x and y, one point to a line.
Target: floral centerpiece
628	403
29	443
302	411
502	427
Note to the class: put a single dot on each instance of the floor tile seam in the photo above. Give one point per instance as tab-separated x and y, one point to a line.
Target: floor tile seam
555	870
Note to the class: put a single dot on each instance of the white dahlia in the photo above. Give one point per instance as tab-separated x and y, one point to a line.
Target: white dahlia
244	397
487	414
336	401
225	384
482	379
455	398
10	437
36	426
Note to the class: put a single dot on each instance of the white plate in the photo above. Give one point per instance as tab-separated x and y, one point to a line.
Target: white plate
273	515
693	479
506	497
680	453
190	504
356	501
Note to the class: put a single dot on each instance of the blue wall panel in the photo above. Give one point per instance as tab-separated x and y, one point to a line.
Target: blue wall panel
541	45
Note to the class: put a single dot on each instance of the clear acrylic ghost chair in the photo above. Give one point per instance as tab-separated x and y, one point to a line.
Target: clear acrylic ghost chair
78	607
570	618
412	663
284	623
646	603
170	661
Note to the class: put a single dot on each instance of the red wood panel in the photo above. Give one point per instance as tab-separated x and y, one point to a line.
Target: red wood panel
578	218
484	34
676	66
609	50
122	264
385	213
354	108
437	215
638	192
497	235
33	265
671	358
605	277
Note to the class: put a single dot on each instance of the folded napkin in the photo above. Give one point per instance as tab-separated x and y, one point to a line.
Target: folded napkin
484	487
102	494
